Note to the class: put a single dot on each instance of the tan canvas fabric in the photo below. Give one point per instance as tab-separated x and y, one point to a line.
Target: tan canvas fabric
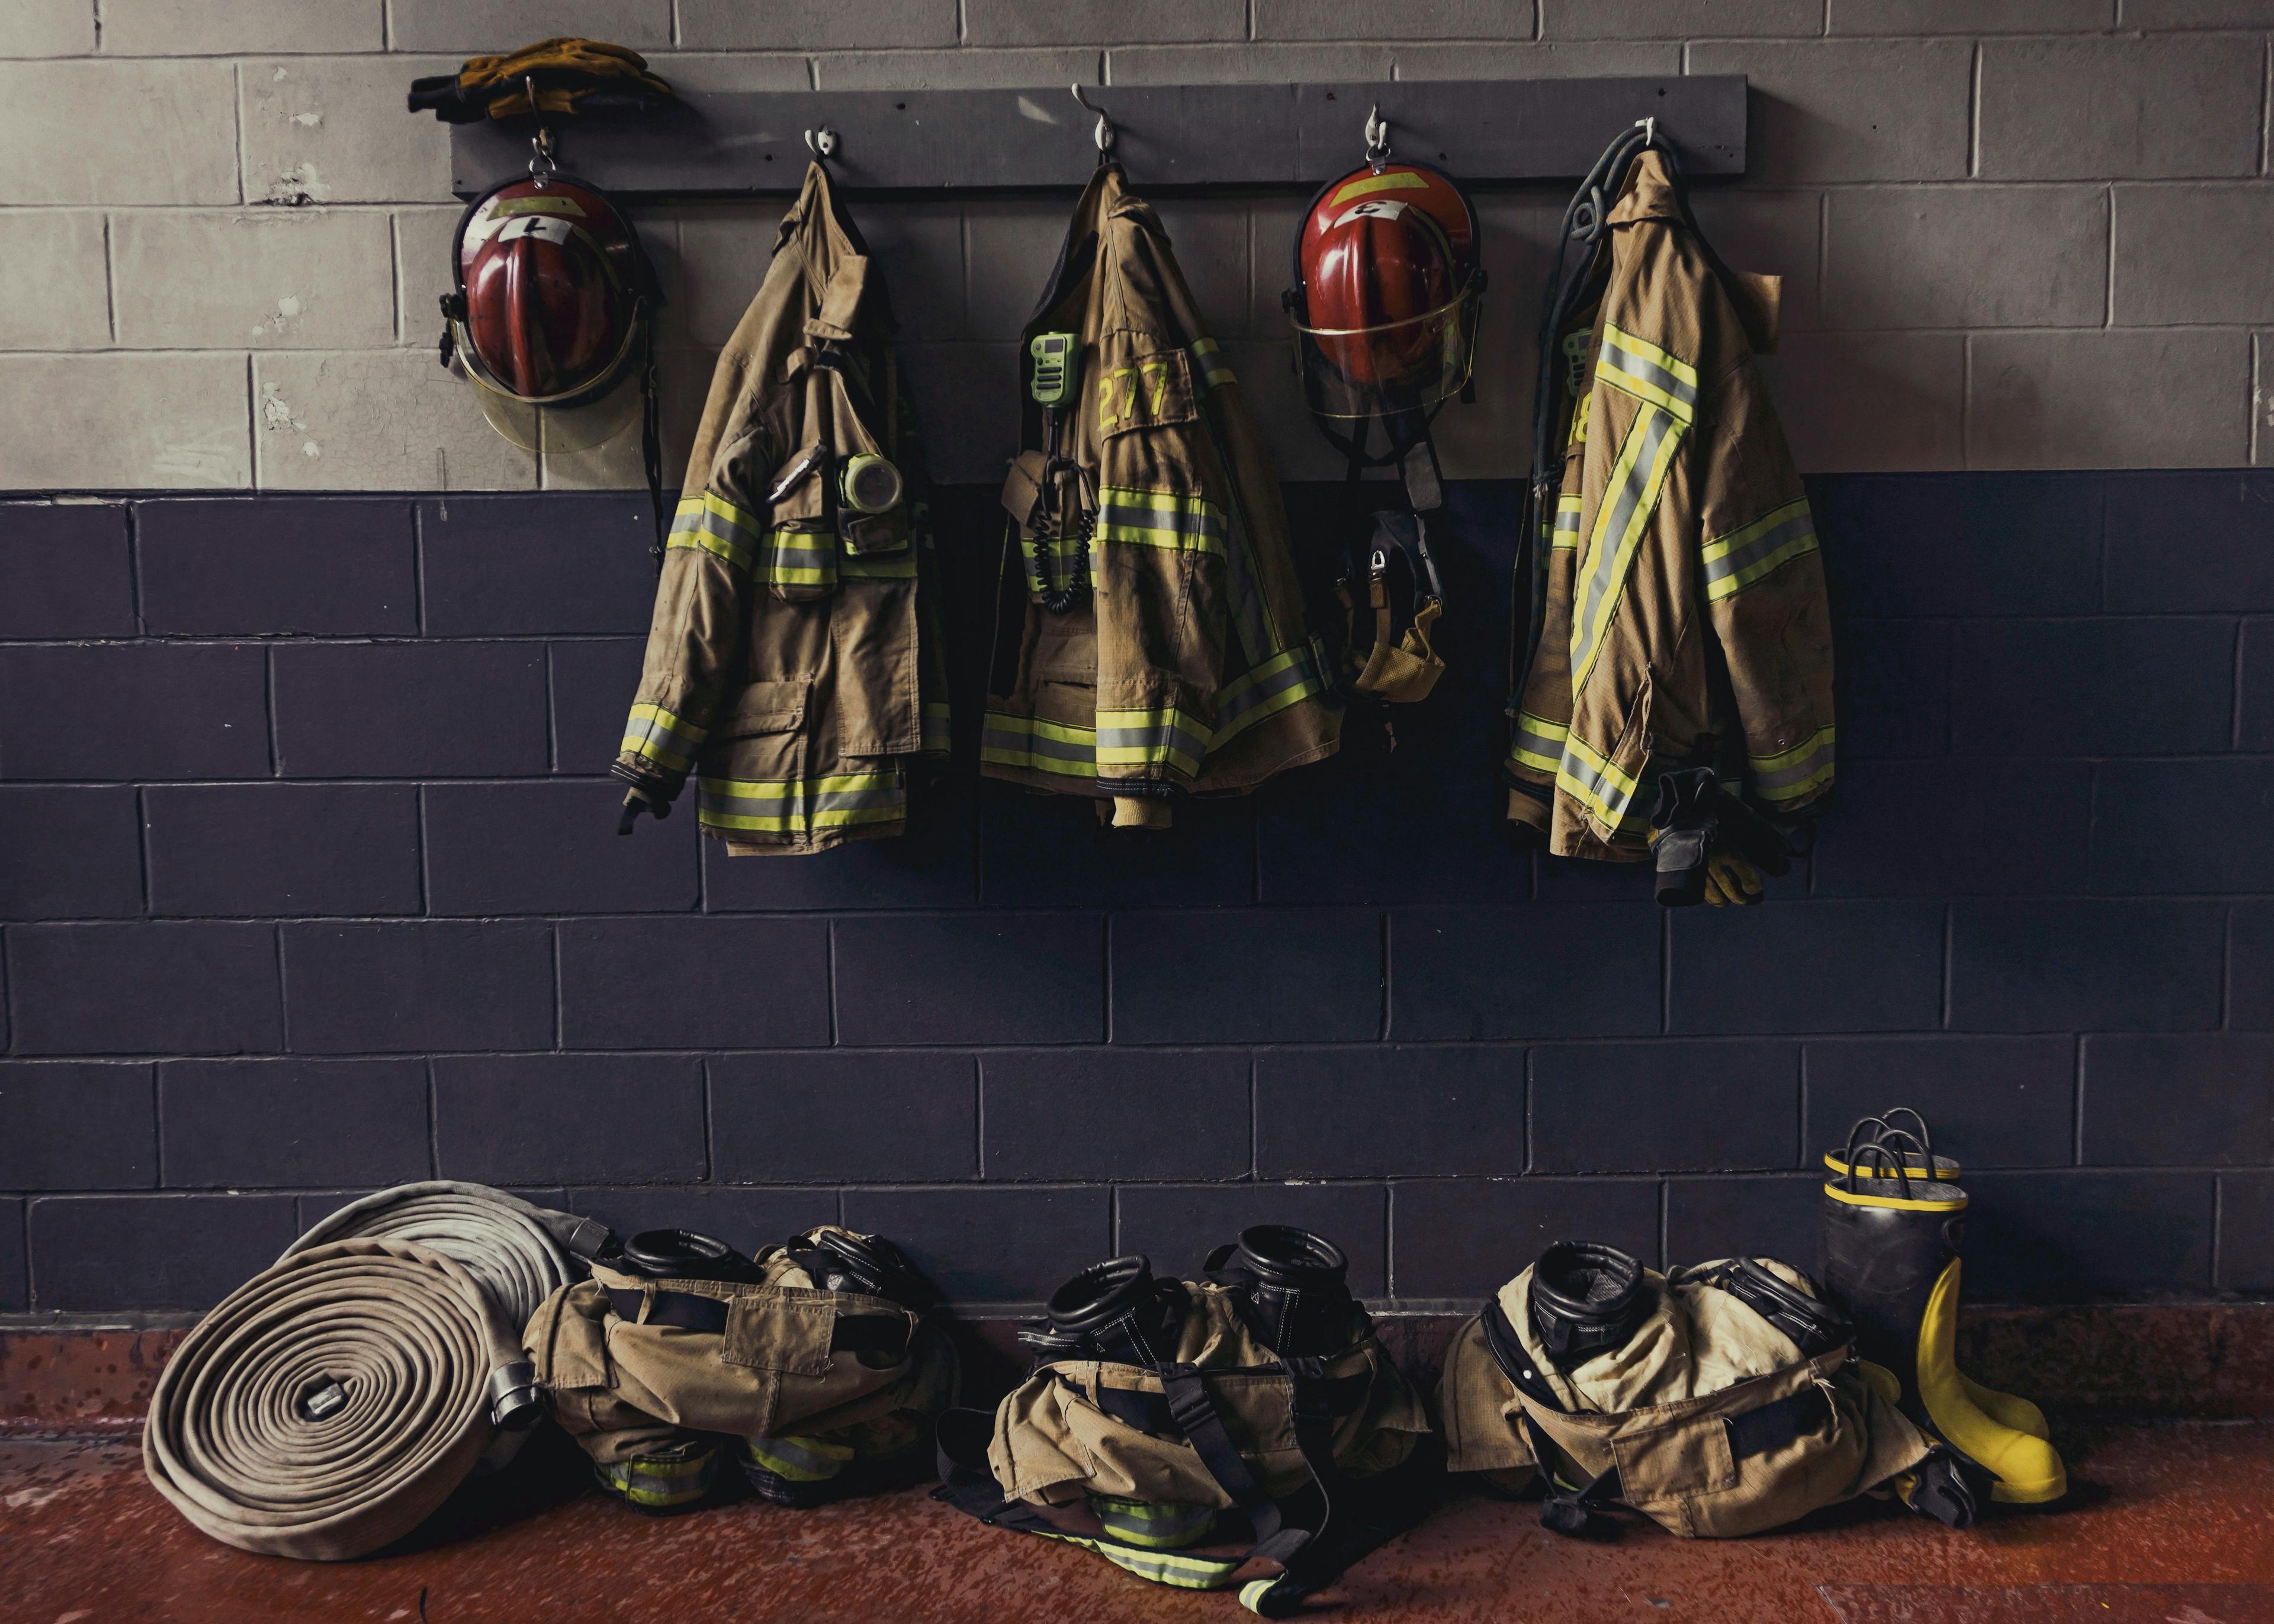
795	658
1053	1441
1190	666
620	1386
1654	1408
1685	622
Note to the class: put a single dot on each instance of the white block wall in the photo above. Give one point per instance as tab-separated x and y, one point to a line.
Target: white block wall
2016	233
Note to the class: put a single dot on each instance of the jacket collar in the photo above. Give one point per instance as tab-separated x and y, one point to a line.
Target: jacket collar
1649	194
837	265
1108	194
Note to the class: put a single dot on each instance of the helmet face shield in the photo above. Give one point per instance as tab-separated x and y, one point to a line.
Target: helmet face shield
577	420
1392	368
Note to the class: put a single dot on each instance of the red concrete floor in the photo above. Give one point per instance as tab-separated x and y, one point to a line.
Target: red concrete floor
2173	1525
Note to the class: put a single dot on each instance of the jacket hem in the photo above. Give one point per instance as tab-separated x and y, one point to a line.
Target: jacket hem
739	845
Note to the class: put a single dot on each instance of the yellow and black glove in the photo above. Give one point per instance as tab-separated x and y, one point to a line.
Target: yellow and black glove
571	75
1710	846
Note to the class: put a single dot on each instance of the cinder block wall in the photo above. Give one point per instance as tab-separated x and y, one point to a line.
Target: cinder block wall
306	858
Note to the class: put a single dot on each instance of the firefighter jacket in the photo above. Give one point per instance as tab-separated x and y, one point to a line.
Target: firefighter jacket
794	660
1684	621
1187	665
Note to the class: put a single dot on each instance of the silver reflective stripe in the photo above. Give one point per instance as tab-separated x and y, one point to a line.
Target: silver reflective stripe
1626	359
1170	738
1161	513
1249	697
1613	796
1741	565
795	797
1035	744
1796	771
1612	550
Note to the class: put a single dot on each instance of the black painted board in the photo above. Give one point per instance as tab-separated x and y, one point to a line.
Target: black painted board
1169	137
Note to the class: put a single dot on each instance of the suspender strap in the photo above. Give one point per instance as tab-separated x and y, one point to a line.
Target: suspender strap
1568	1509
1773	1426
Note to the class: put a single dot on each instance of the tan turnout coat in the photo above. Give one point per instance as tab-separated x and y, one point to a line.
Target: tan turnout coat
1685	623
1190	667
794	660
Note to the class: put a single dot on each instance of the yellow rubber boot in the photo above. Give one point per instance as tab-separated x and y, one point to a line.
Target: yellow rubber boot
1889	1257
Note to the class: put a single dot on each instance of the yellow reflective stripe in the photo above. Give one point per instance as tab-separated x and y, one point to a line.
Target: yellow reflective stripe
937	727
656	736
1538	742
646	1480
798	1459
1636	479
1208	357
1606	791
1392	180
1186	1572
1252	1593
1563	534
1898	1203
749	523
1149	738
714	525
1647	373
1735	561
1010	740
799	558
1173	519
795	806
1155	1525
1801	770
1288	678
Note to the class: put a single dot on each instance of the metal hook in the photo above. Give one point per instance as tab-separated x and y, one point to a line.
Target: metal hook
1377	138
824	147
541	162
1649	128
1105	135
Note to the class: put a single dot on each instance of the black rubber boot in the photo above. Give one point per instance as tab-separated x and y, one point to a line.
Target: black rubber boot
1914	1147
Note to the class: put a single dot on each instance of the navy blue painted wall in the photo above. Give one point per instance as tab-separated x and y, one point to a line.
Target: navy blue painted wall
310	885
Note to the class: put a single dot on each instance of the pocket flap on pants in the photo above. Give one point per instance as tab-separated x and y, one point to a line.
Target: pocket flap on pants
780	1331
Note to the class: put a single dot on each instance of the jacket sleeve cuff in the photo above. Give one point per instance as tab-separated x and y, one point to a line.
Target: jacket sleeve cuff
659	746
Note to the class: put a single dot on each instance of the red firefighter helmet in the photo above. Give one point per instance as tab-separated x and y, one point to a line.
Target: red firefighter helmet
1387	287
550	318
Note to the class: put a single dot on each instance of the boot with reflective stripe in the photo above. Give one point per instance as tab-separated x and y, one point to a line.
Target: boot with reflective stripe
672	1479
1889	1257
795	1471
1917	1157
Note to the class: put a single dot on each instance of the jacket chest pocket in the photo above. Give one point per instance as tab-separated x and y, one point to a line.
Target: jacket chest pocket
797	554
1143	391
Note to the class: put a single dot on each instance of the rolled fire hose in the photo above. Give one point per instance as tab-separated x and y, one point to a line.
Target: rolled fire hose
518	1253
328	1405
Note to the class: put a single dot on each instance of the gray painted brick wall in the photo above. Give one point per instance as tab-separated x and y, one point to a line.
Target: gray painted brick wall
2015	234
310	885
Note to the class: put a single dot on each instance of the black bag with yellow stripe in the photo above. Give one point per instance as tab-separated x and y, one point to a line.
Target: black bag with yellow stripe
1236	1432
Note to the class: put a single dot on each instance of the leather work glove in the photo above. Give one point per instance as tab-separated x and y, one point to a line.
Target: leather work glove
1730	881
1711	847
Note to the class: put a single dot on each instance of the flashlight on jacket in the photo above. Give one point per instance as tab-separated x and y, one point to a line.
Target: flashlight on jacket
869	484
